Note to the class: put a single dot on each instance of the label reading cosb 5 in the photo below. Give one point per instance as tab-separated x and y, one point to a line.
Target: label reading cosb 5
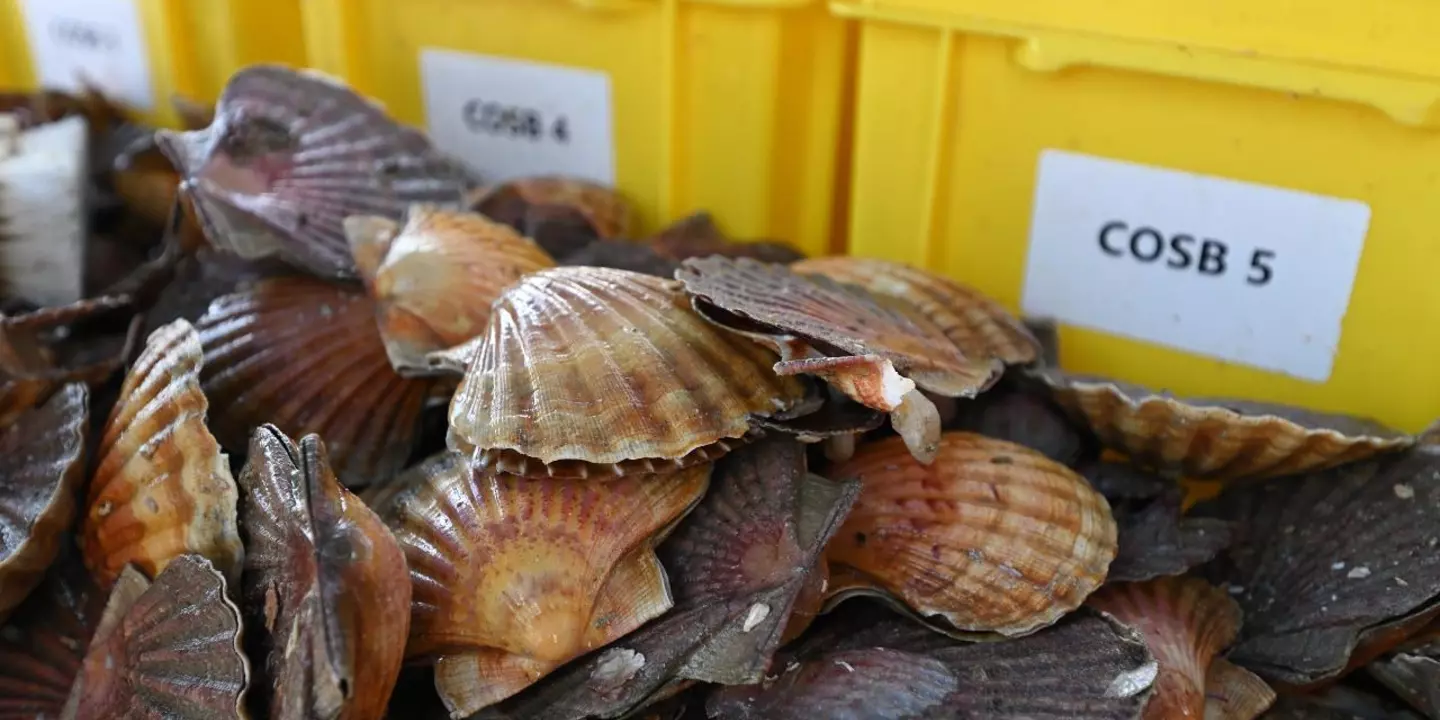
1246	273
75	42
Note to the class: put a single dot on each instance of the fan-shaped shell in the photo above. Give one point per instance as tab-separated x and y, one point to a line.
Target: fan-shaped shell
1221	439
325	586
605	366
608	214
168	649
42	645
433	278
161	488
306	356
290	155
1234	693
578	556
1186	623
979	326
42	465
993	538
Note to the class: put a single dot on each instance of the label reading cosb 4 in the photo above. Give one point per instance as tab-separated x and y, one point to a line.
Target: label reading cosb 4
1246	273
99	42
509	118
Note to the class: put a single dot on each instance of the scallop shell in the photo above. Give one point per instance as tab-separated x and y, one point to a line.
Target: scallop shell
698	236
44	642
434	278
42	467
994	539
979	326
1186	623
161	488
1023	418
1156	540
585	369
306	356
1332	568
1046	331
165	649
31	362
606	212
1234	693
622	255
578	555
736	565
290	155
1220	439
1414	676
325	585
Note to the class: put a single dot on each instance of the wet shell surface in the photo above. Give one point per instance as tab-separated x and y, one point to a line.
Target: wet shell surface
979	326
166	649
42	645
42	467
1333	567
433	278
523	201
1220	439
579	556
993	538
162	488
1234	693
325	584
306	356
596	367
290	155
1186	623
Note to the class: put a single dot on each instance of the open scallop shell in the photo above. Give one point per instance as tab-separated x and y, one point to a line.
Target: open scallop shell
1234	693
698	236
993	539
325	586
736	566
1186	623
520	203
290	155
165	649
585	369
1219	439
306	356
433	278
578	556
1332	568
42	466
979	326
161	488
42	645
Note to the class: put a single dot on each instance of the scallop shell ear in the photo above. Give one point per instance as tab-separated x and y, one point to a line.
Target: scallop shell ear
992	540
165	649
1217	439
1234	693
290	155
42	466
306	356
161	488
42	645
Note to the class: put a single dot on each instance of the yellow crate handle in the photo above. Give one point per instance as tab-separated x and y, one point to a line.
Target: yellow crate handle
627	5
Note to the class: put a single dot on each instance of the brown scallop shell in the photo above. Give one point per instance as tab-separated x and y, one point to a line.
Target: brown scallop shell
979	326
1022	417
42	467
326	588
1414	676
145	181
43	643
167	649
622	255
513	202
290	155
993	538
698	236
162	488
33	361
306	356
434	277
579	556
1219	439
1186	623
1234	693
584	369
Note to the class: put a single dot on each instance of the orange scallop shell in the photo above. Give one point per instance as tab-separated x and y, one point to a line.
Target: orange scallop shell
433	278
1234	693
608	213
596	367
1217	439
977	325
161	488
578	558
1186	623
42	467
306	356
994	538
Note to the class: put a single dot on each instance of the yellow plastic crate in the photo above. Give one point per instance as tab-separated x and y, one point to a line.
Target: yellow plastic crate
731	106
1096	160
143	52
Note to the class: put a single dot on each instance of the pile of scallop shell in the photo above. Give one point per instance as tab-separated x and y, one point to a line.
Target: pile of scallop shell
363	437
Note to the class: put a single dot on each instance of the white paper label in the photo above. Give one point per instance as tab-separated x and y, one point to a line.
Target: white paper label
96	41
510	118
1246	273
